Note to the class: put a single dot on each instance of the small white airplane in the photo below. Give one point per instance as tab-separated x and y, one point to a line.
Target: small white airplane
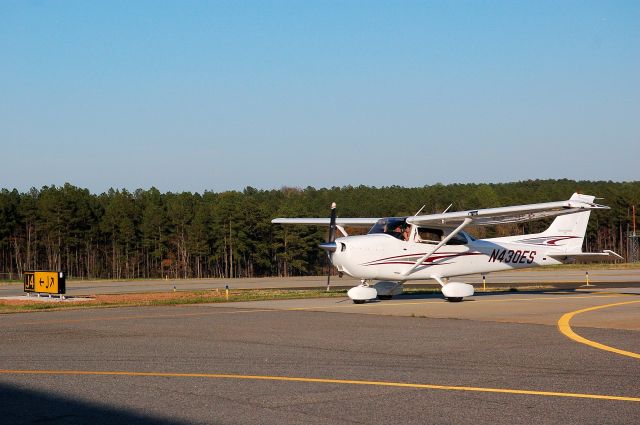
434	246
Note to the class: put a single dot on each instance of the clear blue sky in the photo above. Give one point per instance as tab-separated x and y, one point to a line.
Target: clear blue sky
198	95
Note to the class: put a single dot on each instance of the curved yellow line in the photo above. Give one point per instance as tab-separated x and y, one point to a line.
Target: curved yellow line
565	328
321	380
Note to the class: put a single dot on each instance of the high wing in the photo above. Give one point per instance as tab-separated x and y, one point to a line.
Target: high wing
479	217
354	222
515	214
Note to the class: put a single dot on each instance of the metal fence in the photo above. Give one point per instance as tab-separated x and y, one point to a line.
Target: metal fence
633	248
11	277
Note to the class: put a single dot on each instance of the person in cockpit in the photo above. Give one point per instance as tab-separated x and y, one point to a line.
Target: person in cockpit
396	227
402	232
406	233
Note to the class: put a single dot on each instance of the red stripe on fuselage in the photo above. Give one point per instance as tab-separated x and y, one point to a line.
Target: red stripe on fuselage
428	260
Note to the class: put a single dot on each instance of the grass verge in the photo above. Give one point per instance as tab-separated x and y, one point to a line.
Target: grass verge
168	298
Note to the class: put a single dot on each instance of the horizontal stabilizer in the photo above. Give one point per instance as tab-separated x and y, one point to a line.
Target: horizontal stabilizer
605	255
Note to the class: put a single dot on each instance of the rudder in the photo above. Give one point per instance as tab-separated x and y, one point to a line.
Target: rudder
572	227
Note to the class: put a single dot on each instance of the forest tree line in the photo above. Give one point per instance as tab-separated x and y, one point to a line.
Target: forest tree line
148	234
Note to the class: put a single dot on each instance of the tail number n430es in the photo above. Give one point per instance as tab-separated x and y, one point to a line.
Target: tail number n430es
513	257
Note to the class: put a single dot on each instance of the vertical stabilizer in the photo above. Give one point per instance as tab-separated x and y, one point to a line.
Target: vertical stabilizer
571	227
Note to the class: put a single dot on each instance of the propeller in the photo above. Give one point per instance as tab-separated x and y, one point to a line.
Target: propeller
330	245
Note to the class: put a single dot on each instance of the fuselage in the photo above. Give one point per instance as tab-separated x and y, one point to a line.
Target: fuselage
384	257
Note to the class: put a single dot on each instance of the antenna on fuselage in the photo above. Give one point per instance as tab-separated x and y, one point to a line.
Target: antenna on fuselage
447	209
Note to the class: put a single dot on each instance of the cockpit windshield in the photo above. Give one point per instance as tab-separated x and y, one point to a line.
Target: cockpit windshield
393	226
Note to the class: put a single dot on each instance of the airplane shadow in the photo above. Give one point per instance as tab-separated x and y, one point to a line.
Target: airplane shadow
426	296
26	406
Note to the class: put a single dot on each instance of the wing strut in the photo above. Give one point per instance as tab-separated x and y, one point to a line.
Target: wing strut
466	221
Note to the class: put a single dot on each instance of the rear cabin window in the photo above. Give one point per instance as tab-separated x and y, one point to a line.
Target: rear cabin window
458	239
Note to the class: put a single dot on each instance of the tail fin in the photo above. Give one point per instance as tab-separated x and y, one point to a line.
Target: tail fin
571	227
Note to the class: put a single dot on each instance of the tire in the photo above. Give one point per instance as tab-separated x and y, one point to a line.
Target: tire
359	301
454	299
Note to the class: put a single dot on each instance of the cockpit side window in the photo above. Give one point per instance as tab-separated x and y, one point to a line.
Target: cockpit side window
393	226
435	236
427	235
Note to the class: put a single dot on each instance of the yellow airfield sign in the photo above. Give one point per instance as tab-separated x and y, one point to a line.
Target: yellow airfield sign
46	282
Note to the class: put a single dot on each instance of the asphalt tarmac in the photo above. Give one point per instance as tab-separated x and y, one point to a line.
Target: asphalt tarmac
499	358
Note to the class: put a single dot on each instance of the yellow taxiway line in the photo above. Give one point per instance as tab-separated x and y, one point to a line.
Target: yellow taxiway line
565	329
322	381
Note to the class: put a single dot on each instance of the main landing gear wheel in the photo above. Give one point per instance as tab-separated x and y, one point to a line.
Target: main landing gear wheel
362	293
455	291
